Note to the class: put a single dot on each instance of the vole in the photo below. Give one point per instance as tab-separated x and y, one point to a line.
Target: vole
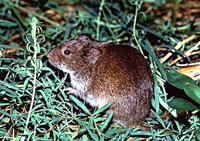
103	72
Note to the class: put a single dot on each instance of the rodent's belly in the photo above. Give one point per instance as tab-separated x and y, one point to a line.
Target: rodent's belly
81	90
91	99
95	101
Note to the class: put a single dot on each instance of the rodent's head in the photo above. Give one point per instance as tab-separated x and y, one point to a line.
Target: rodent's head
75	54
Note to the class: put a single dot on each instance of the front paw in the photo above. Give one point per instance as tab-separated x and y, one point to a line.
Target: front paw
69	90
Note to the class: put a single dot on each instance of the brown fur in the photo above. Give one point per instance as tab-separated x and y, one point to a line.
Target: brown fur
108	72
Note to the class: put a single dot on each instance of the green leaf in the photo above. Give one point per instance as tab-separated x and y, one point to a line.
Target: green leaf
80	122
193	91
80	104
2	46
26	82
197	133
5	120
39	64
5	23
147	47
112	131
84	138
92	135
177	79
182	105
141	133
159	119
185	83
108	119
102	109
157	91
8	91
7	59
128	131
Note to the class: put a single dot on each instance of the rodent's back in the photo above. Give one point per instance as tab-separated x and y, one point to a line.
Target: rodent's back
124	65
125	79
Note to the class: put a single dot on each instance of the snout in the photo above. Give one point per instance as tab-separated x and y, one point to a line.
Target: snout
49	54
54	56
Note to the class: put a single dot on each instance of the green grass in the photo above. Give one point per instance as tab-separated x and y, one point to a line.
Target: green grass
33	104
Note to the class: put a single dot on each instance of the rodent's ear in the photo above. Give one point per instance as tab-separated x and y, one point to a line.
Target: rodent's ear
85	37
91	55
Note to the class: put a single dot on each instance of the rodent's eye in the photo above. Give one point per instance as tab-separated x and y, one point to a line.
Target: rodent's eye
67	52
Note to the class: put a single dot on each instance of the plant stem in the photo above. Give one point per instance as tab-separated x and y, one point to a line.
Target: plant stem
35	45
99	17
134	26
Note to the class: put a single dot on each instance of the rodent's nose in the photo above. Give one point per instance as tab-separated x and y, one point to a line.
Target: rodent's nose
49	54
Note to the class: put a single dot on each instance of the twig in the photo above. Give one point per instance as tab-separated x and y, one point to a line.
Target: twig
190	64
179	45
28	11
8	131
195	52
187	53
